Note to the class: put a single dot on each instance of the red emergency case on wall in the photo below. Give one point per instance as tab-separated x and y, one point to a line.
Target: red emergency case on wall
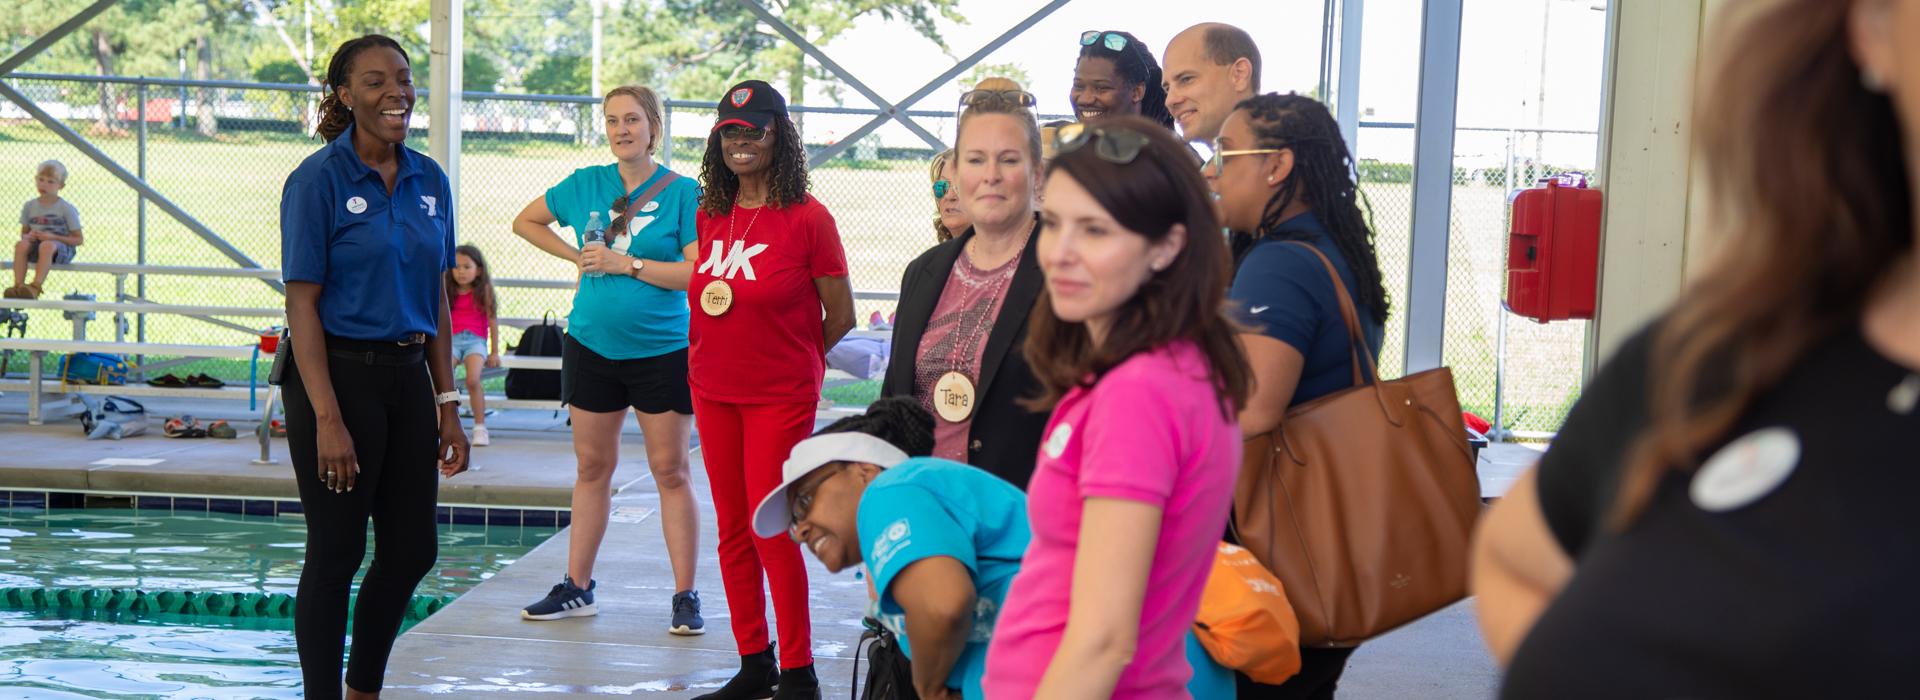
1553	250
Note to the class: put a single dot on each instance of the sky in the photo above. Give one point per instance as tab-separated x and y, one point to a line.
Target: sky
1501	80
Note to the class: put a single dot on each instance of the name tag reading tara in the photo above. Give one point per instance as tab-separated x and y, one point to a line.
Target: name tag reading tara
953	397
716	298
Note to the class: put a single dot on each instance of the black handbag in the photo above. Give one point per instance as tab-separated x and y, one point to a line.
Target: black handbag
889	673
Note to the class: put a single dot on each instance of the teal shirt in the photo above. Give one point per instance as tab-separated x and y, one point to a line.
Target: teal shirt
928	507
617	316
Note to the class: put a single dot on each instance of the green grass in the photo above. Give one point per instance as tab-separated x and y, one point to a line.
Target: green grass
232	183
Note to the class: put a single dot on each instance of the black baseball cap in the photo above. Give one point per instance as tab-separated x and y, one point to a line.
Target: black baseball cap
751	103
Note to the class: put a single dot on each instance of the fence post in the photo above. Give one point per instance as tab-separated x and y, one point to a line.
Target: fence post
666	132
140	282
1499	433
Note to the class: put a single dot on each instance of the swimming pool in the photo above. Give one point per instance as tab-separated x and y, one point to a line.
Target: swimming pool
79	652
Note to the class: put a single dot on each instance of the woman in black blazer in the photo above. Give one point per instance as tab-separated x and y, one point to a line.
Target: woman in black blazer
962	316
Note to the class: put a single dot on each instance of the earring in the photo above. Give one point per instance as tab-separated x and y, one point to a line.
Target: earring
1872	80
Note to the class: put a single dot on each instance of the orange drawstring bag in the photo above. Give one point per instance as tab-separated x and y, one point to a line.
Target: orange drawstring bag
1245	621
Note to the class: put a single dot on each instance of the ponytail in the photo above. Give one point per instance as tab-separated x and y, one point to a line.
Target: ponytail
334	117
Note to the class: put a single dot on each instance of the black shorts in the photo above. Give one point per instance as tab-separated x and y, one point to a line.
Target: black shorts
596	384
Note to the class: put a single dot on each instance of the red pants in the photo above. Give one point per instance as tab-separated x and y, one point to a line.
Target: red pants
744	446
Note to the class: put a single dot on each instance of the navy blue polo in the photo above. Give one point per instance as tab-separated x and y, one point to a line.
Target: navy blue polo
379	259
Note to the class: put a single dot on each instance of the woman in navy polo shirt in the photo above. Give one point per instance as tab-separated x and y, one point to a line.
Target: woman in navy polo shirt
1280	168
626	344
366	237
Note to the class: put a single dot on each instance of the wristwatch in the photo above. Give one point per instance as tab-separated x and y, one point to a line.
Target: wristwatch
452	397
638	265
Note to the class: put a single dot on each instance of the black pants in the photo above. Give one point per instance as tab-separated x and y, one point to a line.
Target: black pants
389	412
1320	671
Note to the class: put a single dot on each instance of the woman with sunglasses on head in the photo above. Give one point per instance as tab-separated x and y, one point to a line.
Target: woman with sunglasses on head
963	306
1116	75
948	219
945	538
1142	372
1282	174
626	344
1728	510
770	268
366	238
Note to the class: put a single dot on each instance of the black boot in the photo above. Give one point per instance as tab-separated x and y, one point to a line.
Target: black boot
798	684
757	678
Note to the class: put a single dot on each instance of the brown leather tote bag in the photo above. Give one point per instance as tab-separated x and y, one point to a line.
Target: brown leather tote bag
1362	501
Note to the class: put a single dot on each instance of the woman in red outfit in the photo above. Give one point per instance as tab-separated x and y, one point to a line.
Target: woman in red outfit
770	264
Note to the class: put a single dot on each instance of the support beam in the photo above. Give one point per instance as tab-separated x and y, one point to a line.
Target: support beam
1426	300
1646	147
1346	95
86	148
443	102
809	49
970	61
50	38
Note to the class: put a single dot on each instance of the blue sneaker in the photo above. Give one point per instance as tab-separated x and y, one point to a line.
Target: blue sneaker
686	615
565	600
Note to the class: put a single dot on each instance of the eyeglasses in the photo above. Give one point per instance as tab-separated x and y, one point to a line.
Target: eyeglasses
941	187
1114	41
995	98
736	132
1116	146
1217	165
801	496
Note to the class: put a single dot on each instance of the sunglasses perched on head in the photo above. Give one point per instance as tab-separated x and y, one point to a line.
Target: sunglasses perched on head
736	132
1118	146
1114	41
997	98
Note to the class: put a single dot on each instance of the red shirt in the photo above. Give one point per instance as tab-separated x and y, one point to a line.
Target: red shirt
768	347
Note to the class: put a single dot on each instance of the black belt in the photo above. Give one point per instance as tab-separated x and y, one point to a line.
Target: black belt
389	353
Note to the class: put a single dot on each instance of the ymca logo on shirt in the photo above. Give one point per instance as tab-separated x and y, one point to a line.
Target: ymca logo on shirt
430	204
727	263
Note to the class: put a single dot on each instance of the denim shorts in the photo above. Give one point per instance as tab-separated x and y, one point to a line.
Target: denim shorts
468	343
62	253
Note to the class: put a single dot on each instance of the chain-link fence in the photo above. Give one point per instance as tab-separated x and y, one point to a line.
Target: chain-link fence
222	151
1522	375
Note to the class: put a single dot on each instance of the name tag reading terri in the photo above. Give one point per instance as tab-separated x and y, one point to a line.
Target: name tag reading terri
716	298
953	397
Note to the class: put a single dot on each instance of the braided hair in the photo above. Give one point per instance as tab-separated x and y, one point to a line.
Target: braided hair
899	420
787	180
1135	66
1322	177
334	115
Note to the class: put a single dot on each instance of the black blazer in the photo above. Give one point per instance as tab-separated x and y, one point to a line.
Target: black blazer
1005	437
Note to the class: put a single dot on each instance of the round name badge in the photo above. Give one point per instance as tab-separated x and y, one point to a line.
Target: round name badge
716	298
1746	470
1057	441
356	205
953	397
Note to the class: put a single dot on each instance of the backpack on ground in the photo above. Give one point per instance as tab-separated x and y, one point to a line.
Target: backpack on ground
116	417
889	674
541	340
94	368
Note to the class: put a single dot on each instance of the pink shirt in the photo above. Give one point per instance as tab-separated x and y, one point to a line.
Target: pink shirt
1154	431
466	315
955	339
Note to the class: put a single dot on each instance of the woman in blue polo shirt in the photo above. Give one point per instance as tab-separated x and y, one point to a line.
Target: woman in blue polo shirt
366	237
626	343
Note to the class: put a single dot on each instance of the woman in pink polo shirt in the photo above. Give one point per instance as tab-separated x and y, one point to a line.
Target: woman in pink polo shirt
1140	367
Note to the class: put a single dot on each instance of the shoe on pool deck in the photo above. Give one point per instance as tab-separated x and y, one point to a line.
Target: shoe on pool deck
480	436
686	615
565	600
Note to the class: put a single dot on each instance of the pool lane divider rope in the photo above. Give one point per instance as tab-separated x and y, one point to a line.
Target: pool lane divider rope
197	603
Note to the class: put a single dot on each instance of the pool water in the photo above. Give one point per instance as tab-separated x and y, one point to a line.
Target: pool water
82	653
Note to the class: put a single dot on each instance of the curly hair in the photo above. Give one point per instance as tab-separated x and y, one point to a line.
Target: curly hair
1322	176
334	115
899	420
1135	66
787	181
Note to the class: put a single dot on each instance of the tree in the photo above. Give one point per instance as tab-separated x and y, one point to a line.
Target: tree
697	48
477	72
559	74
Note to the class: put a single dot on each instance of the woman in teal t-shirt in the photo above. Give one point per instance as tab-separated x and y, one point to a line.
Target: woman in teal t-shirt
626	343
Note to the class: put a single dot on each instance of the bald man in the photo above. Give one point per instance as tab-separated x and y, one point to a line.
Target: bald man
1209	68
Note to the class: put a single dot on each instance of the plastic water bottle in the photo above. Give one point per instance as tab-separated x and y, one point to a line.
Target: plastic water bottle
596	238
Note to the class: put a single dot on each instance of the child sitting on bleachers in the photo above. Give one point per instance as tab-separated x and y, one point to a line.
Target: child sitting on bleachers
476	329
49	231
